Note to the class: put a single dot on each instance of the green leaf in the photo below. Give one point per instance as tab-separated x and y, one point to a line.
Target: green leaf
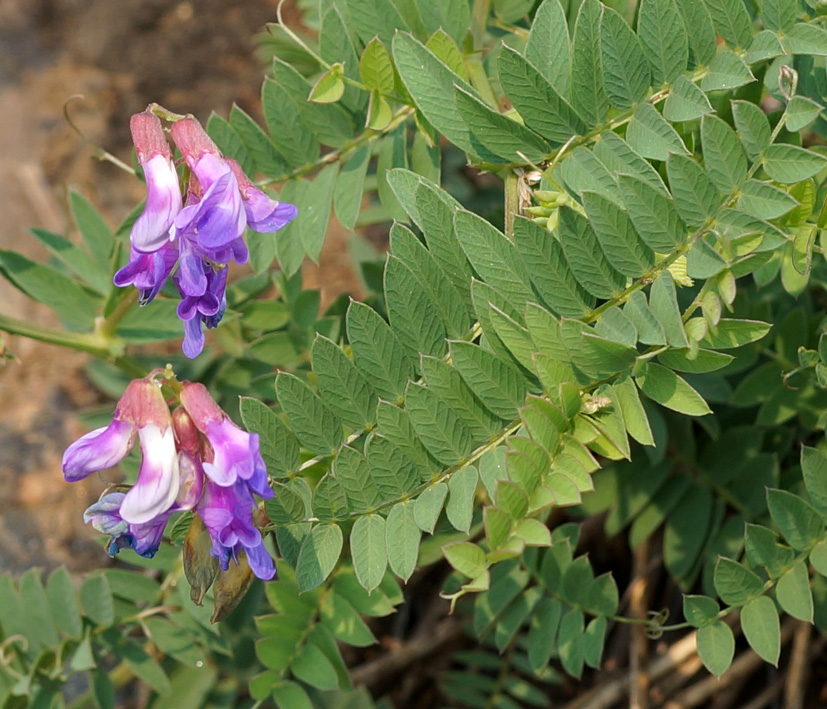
685	102
97	236
375	67
617	236
329	88
75	307
583	170
402	539
668	389
703	361
462	487
377	351
447	302
588	92
734	333
814	470
625	70
800	524
412	312
96	600
279	446
735	583
588	263
314	215
538	100
663	302
654	215
391	468
343	621
716	646
696	197
288	506
286	242
790	164
698	24
380	113
317	428
445	49
548	47
395	424
441	431
593	641
35	608
650	331
291	136
367	548
634	415
649	134
763	549
498	384
77	260
63	603
765	201
549	270
779	15
347	193
352	470
257	144
759	621
794	594
727	71
329	499
465	557
428	506
144	666
344	388
818	557
765	45
700	610
723	154
318	555
804	38
663	39
753	127
543	631
314	668
731	21
571	641
801	112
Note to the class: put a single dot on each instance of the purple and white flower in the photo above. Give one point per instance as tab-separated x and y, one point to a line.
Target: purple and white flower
105	516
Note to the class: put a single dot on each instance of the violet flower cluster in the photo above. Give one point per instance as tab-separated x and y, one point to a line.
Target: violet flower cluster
194	458
201	231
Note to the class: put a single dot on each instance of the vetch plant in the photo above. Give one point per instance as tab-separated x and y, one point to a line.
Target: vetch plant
633	337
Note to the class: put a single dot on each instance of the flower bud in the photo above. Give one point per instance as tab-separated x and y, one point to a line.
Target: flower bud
200	567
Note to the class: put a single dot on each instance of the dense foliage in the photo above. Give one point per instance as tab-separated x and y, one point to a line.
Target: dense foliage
638	331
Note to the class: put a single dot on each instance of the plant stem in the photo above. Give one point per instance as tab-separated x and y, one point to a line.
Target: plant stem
94	343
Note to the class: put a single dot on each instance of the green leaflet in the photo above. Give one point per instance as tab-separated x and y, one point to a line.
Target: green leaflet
649	134
765	45
540	104
330	499
498	384
726	71
583	170
654	215
367	548
375	19
347	193
696	197
723	154
344	388
779	15
588	263
258	145
395	424
588	93
412	312
352	470
634	415
96	234
618	157
762	629
685	102
765	201
650	331
393	154
790	164
494	257
402	539
428	506
497	133
439	429
229	142
716	646
316	427
318	555
548	47
794	594
77	260
291	135
394	473
698	23
375	67
667	388
377	351
663	301
315	213
617	236
625	70
753	127
731	21
279	445
462	487
663	39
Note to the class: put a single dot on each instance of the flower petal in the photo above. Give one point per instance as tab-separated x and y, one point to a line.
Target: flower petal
158	479
98	450
163	202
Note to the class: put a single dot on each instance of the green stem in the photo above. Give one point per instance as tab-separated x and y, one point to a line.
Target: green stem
94	343
479	20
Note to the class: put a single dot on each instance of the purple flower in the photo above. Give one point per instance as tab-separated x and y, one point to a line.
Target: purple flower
105	516
264	214
207	308
156	489
147	272
227	513
236	453
151	230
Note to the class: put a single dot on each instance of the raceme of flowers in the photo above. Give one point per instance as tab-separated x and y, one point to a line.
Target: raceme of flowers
201	231
194	458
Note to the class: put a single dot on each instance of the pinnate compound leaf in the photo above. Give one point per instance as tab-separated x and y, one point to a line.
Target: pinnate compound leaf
588	92
790	164
367	548
318	555
762	629
799	522
668	389
794	594
318	429
663	39
548	47
716	646
538	101
724	156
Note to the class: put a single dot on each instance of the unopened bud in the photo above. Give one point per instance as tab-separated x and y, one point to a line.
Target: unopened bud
230	587
200	567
